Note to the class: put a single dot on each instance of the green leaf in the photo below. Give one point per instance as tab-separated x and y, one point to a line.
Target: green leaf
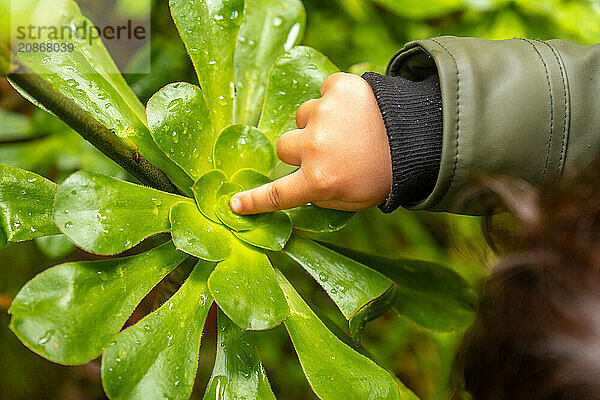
228	189
89	77
25	205
6	66
245	287
249	178
406	393
56	246
361	294
209	29
333	369
429	294
240	146
308	218
28	97
157	358
311	218
3	235
296	77
232	220
180	125
197	235
104	215
282	169
205	192
224	212
238	373
270	27
168	62
271	231
68	313
89	54
15	127
421	9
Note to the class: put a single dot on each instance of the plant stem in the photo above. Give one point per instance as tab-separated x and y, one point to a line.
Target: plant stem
123	153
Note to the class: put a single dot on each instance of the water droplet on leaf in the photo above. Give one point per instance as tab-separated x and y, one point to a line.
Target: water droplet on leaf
46	338
174	104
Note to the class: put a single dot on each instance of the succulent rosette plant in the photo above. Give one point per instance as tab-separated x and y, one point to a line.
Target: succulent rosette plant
197	146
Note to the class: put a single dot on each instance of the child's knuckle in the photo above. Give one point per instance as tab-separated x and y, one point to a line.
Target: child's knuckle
273	195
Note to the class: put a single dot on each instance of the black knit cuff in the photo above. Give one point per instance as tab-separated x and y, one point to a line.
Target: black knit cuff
412	113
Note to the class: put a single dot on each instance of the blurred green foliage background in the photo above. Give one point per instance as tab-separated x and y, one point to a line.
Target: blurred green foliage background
358	35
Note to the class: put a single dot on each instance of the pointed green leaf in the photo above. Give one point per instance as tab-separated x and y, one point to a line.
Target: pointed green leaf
157	358
209	29
245	287
240	146
89	54
360	293
296	77
333	369
429	294
104	215
370	311
25	205
270	27
311	218
205	192
28	97
249	178
68	313
180	125
238	373
89	77
197	235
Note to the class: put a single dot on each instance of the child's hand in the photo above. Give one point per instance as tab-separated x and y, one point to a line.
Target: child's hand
342	150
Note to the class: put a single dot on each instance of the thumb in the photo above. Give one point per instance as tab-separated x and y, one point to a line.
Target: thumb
288	192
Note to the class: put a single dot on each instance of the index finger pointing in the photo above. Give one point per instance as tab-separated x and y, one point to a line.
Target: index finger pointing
288	192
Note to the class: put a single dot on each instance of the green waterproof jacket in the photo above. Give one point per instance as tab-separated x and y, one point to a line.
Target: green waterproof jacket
519	107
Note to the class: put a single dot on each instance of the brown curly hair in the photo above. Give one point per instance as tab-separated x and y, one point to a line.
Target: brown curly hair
537	330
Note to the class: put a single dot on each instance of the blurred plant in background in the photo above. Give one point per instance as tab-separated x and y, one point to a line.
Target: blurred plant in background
370	31
358	35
